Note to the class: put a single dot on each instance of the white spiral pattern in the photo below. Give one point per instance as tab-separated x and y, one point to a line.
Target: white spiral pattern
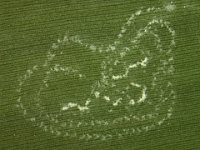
130	104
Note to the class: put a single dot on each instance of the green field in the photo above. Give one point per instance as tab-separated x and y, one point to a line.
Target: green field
72	71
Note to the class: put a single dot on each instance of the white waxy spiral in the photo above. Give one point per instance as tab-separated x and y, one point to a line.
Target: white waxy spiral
134	92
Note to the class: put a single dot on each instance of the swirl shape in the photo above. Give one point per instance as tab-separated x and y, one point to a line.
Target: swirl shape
131	90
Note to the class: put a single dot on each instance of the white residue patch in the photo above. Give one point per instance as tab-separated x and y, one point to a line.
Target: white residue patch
117	77
107	98
144	96
69	105
72	105
117	102
97	94
135	84
170	7
132	102
93	48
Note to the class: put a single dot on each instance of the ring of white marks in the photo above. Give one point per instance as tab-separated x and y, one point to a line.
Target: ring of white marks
130	92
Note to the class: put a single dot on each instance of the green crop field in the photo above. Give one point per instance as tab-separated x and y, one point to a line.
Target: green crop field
102	75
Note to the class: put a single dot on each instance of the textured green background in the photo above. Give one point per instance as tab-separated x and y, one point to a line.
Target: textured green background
27	29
